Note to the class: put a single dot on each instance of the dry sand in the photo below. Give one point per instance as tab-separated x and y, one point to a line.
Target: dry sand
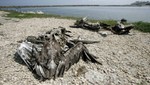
125	58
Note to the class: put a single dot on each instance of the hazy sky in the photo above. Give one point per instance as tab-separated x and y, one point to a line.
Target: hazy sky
55	2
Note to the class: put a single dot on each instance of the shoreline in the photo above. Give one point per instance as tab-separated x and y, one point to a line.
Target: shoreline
91	14
139	25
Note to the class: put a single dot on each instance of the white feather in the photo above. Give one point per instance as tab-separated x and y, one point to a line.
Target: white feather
39	71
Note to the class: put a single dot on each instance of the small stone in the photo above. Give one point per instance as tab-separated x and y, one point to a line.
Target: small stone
81	70
94	77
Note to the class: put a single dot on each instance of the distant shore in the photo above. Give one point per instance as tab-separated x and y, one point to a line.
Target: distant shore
28	6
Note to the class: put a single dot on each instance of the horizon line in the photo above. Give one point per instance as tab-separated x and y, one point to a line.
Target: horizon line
24	6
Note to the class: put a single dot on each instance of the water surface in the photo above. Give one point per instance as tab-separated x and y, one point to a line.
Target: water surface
100	12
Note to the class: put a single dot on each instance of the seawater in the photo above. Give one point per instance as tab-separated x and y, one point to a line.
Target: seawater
132	14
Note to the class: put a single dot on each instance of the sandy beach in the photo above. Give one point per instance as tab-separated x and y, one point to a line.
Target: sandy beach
125	58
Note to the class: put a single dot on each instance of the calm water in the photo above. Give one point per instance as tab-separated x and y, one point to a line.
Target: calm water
115	13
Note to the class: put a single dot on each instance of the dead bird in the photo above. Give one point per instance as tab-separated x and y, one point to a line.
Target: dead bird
83	23
55	55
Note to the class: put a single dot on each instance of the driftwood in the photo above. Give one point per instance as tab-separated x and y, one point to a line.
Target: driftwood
49	55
